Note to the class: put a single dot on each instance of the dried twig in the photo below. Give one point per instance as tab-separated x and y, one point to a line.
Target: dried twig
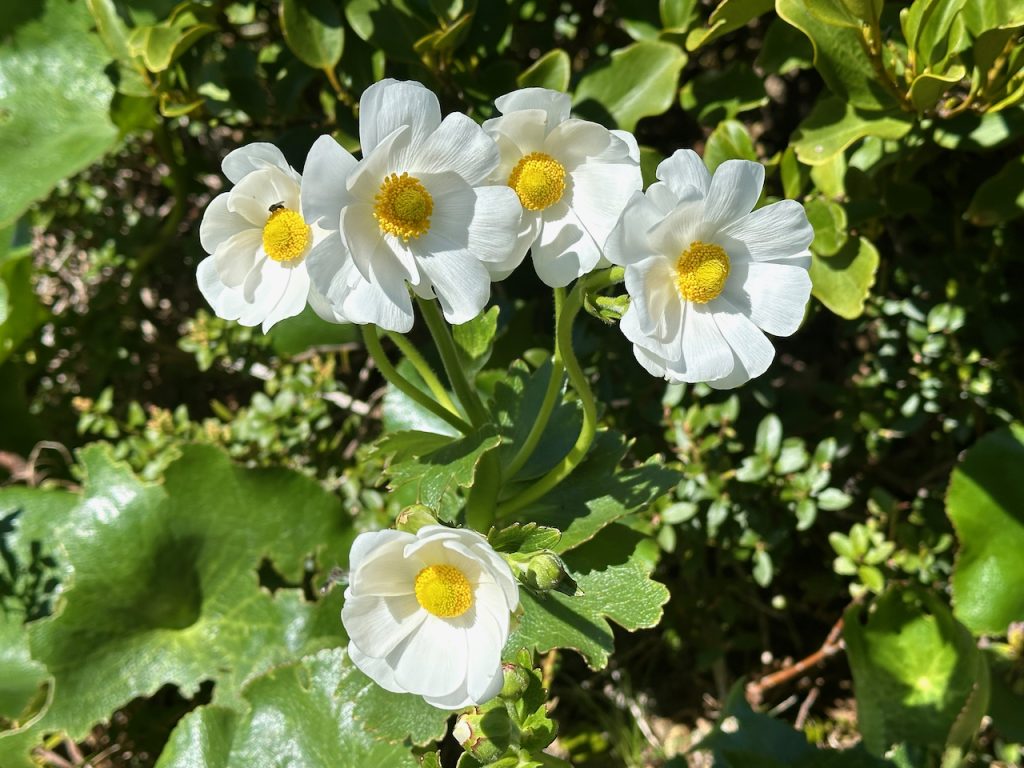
832	645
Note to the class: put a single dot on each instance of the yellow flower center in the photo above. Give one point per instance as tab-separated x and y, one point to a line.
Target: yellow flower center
539	180
285	235
444	591
403	206
701	272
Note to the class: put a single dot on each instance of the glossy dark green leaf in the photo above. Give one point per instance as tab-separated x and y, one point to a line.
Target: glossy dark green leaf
728	15
552	70
1000	198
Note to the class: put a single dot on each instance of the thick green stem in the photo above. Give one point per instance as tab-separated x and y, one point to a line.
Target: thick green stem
563	345
450	359
373	346
423	369
547	406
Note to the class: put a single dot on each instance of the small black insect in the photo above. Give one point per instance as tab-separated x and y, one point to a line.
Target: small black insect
276	207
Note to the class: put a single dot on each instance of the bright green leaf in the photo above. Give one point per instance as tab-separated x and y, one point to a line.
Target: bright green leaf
843	282
829	221
638	81
917	674
475	340
833	125
613	573
729	15
313	31
551	70
986	504
23	681
51	127
729	141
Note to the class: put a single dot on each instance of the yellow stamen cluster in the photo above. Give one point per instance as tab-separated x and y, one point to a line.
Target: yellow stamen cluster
539	180
285	235
701	272
444	591
403	206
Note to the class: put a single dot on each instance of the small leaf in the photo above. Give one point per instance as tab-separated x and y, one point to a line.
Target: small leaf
475	339
551	70
729	15
986	505
842	282
719	95
639	81
729	141
833	500
769	436
829	222
313	31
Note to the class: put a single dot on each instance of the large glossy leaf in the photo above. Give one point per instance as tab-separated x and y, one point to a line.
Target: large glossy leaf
834	125
313	31
839	57
917	673
843	281
999	198
21	313
56	97
552	70
613	574
312	711
390	25
163	585
986	504
729	15
638	81
22	679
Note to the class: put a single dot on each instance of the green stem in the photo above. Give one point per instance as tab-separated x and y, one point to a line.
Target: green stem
423	369
373	346
450	359
548	405
563	345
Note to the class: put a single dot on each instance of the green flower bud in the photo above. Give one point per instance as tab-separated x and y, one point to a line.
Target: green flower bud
517	680
414	517
486	736
546	571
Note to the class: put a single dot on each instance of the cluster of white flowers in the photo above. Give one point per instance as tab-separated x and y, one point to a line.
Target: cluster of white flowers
444	207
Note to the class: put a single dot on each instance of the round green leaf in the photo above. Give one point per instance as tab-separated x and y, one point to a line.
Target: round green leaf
829	221
842	282
551	70
986	504
313	31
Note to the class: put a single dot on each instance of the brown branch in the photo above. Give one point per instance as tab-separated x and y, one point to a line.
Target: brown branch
832	645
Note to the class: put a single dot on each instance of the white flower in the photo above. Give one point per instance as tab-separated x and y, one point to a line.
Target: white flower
428	613
259	236
573	178
706	276
413	212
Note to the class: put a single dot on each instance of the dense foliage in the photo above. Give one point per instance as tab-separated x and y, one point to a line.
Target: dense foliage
820	568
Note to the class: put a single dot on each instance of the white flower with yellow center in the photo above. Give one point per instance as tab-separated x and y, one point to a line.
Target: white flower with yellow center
414	212
259	235
573	178
706	276
428	613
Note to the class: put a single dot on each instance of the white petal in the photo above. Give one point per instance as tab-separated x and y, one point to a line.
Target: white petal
377	625
734	191
377	670
373	544
655	300
575	141
324	309
324	190
632	148
684	172
254	195
777	231
517	134
750	346
227	303
459	145
600	192
665	200
554	103
653	362
391	104
369	303
293	299
362	237
628	243
365	180
483	665
557	251
432	660
677	231
706	353
495	227
219	223
253	157
236	256
774	295
261	290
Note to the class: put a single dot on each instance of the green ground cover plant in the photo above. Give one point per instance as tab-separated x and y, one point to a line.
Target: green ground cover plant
729	549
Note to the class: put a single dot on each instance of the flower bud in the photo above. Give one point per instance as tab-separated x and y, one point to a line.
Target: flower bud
516	681
546	571
486	736
414	517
